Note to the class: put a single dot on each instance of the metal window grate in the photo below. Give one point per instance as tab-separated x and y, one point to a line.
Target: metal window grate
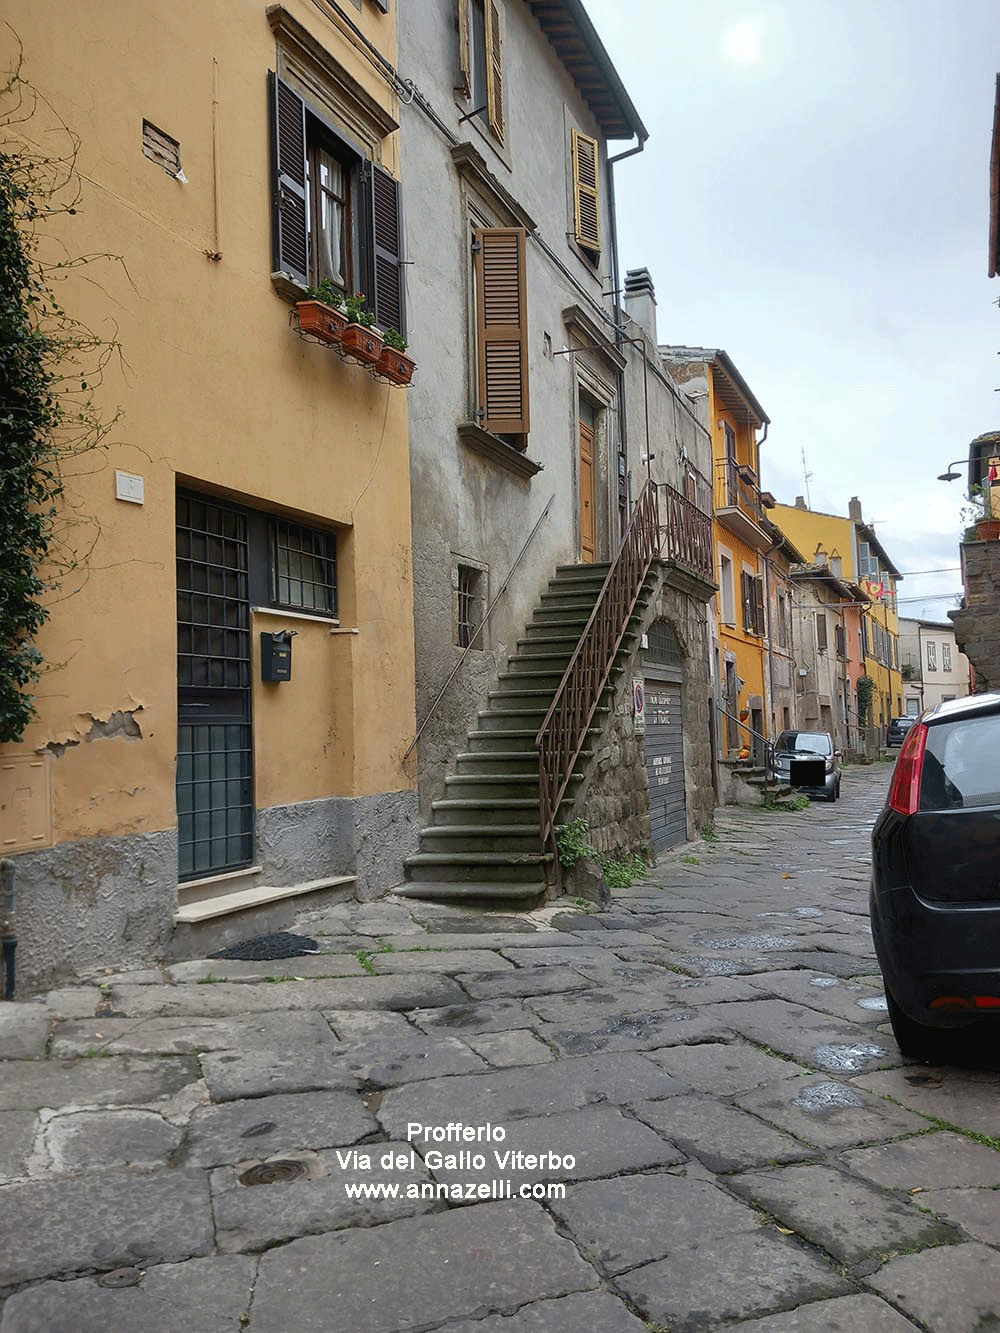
161	149
214	798
663	644
469	611
305	568
213	604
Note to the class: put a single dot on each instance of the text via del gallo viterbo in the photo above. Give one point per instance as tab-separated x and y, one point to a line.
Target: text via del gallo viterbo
469	1163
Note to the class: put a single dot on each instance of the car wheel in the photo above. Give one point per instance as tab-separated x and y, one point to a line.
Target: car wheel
923	1043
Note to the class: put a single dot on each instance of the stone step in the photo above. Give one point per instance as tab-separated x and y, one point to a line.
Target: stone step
504	761
510	740
207	923
496	894
494	786
529	677
225	903
481	838
485	810
583	571
479	867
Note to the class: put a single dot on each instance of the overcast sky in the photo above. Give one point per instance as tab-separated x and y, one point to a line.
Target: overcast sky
814	198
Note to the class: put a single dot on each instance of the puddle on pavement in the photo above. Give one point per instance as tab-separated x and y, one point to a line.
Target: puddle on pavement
876	1002
825	983
848	1059
822	1097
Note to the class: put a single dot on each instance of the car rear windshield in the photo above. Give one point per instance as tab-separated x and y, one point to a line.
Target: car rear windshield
804	742
962	765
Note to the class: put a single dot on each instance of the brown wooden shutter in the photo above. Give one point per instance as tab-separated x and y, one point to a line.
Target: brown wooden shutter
747	601
821	641
494	70
586	198
290	226
758	586
464	84
501	317
387	251
383	5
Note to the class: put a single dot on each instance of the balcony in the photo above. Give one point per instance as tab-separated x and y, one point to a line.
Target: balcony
738	505
686	543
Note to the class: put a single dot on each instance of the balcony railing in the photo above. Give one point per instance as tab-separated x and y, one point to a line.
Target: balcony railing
685	533
736	488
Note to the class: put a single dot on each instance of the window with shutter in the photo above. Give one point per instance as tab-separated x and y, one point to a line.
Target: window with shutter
464	84
501	321
494	70
586	198
748	608
821	640
336	216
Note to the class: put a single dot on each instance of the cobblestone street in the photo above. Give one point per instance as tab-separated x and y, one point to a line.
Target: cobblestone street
749	1149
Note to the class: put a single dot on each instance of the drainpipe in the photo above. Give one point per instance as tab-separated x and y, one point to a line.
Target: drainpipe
8	903
618	313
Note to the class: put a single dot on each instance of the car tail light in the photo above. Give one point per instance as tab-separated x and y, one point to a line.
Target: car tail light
904	796
966	1002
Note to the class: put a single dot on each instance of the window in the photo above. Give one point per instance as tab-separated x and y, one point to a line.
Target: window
469	588
303	568
336	214
586	198
821	639
946	657
726	589
502	331
480	41
162	150
753	603
931	656
865	645
840	640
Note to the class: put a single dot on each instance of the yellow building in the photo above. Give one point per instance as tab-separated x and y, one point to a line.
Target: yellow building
856	554
741	541
255	488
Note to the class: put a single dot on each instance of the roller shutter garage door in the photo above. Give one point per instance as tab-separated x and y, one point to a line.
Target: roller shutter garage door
664	742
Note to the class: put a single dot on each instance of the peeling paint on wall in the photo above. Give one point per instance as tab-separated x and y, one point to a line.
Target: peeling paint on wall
121	723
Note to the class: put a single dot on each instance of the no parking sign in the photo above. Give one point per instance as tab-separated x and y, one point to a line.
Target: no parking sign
639	706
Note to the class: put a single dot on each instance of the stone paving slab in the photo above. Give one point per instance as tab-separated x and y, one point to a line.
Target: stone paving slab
600	1140
732	1277
829	1113
230	998
597	1310
463	939
260	1071
848	1314
724	1068
506	1050
575	955
417	1272
640	1031
810	1038
265	1126
635	1219
112	1081
953	1289
96	1140
843	1215
969	1098
416	1056
498	1097
17	1133
206	1295
104	1220
720	1136
976	1211
24	1031
932	1161
208	970
829	994
150	1036
533	980
75	1001
254	1217
446	962
487	1016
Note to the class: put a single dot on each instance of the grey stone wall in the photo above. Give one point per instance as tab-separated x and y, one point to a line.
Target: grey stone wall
977	624
615	798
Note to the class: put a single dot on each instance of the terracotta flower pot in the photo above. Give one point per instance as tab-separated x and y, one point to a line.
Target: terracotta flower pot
395	365
364	345
321	321
988	530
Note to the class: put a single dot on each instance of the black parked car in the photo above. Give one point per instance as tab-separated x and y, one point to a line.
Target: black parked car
898	728
935	894
811	754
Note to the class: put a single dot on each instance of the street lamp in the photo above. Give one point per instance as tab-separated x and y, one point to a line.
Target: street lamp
951	474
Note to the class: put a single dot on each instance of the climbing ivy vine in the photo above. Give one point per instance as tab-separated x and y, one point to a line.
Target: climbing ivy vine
866	690
50	367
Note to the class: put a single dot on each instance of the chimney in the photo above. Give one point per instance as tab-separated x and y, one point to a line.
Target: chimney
640	300
836	566
854	510
800	502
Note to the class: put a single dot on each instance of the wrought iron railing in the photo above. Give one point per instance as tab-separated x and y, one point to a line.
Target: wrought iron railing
686	533
736	488
562	735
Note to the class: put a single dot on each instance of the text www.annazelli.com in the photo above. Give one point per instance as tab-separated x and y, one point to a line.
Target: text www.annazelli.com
455	1192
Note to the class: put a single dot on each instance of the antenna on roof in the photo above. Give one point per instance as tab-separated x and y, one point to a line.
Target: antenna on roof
807	476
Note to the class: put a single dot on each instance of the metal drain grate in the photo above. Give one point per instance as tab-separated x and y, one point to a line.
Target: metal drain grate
274	1173
266	947
121	1277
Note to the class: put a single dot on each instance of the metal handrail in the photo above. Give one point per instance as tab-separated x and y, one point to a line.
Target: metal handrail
475	633
562	734
768	745
686	533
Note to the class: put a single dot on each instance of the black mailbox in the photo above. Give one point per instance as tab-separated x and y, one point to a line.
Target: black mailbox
276	655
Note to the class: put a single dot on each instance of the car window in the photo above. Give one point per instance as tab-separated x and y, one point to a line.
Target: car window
962	765
804	742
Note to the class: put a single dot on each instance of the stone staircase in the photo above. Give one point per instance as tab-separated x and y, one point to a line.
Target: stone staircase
483	842
756	778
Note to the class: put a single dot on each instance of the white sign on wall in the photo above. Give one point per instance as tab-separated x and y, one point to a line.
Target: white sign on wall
639	706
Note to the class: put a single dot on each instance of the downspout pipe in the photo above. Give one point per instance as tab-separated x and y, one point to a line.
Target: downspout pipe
8	903
616	294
